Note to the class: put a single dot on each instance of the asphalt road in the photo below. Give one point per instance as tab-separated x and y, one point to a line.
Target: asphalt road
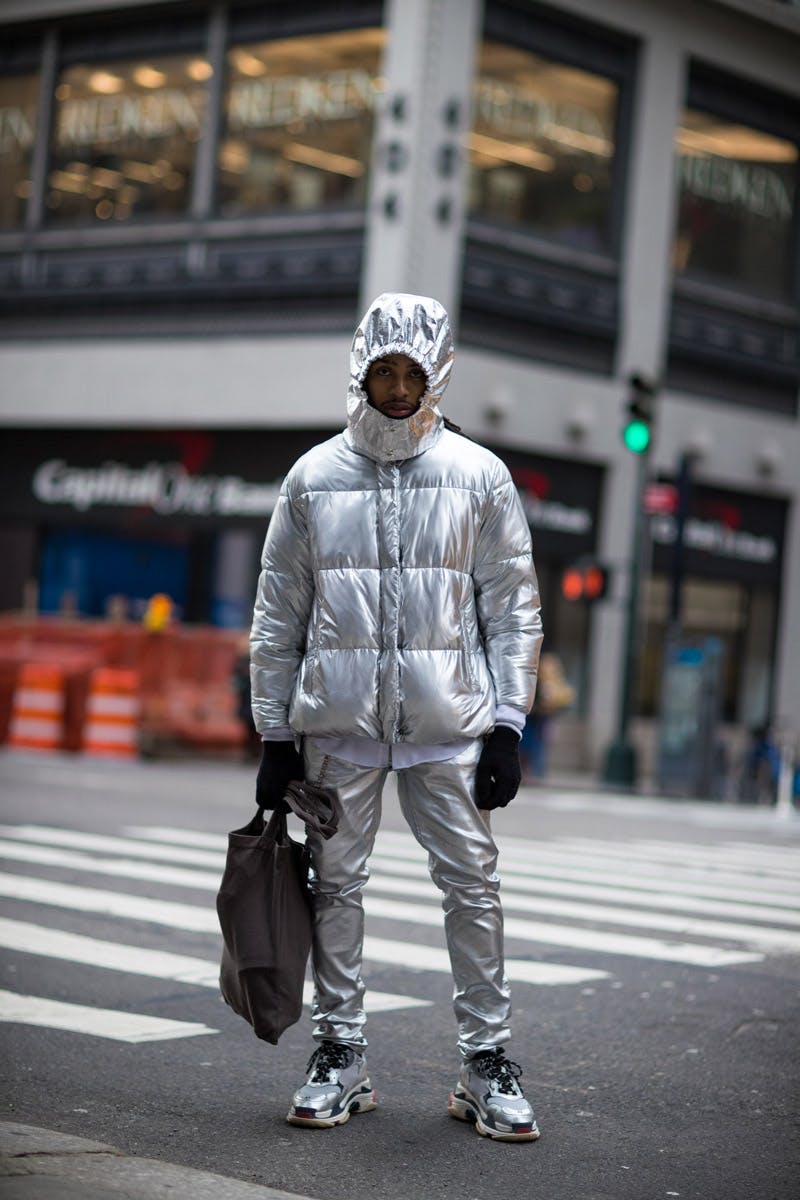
664	1063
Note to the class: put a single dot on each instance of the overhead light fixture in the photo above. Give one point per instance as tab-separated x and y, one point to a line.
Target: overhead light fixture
504	151
149	77
311	156
199	70
248	64
106	83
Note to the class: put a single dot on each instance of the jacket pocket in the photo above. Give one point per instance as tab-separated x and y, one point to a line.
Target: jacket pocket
466	652
310	663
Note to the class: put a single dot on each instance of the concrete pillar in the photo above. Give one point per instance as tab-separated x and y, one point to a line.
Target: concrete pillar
415	217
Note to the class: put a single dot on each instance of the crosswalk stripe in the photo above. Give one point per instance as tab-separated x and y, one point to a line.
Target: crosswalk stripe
99	1022
512	897
683	854
200	920
561	865
53	856
397	858
39	940
113	845
595	940
204	920
430	958
513	886
775	939
514	860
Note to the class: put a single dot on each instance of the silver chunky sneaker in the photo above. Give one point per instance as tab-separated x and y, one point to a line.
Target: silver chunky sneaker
488	1094
337	1085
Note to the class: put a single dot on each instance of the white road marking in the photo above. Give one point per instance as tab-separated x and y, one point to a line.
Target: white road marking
99	1022
594	940
387	873
45	834
542	860
773	939
110	904
40	940
515	886
418	957
201	920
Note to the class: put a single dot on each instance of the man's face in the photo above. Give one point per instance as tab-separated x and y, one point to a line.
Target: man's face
395	385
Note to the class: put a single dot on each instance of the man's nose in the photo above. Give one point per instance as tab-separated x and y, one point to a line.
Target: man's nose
400	387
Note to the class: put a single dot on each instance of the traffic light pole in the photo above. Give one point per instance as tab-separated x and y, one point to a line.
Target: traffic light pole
620	765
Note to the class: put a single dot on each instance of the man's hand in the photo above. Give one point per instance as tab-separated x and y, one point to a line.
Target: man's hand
280	764
499	772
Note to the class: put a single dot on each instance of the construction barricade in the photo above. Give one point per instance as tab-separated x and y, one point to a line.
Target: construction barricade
37	714
112	713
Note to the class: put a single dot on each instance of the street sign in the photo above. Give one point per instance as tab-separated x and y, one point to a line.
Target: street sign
660	498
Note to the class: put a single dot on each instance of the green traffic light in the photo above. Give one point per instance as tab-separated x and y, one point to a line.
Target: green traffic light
636	436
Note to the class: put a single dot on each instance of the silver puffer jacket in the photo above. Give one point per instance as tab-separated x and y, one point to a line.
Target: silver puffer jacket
398	599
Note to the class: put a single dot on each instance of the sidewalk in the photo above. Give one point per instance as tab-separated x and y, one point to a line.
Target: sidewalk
42	1164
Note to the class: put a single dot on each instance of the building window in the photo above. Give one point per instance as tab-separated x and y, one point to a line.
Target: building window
124	138
298	122
737	187
18	100
541	146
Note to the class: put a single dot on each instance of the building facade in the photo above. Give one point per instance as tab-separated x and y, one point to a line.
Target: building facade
197	201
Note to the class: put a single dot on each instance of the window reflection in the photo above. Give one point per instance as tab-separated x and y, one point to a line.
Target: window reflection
542	145
18	97
737	197
298	122
124	139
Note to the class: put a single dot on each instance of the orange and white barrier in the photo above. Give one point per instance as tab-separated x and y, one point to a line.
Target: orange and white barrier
37	716
112	713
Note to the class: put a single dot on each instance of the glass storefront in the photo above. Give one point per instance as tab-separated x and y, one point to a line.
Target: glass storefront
736	204
124	138
18	101
298	120
542	146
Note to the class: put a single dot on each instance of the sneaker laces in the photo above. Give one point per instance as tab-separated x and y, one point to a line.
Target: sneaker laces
327	1058
494	1066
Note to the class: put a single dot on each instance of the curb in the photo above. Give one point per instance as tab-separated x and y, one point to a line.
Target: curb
43	1164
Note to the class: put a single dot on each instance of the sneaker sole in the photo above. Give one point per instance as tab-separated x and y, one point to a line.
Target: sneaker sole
361	1102
464	1110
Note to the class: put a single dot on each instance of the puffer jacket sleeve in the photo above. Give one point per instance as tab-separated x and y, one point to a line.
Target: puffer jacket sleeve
507	595
282	609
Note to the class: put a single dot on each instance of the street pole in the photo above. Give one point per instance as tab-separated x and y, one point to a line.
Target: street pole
621	765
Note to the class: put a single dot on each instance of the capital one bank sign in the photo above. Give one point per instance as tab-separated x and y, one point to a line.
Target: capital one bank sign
166	488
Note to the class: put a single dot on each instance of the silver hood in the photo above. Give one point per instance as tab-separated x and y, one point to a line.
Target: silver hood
398	323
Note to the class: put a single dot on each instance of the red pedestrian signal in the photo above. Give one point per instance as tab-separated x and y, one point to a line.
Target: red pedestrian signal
584	581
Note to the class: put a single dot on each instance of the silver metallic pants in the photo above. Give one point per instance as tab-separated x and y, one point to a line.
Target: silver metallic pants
436	799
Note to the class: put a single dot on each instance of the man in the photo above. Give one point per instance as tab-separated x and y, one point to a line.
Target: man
397	627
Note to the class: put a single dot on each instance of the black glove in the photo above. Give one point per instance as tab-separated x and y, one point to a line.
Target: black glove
499	773
280	764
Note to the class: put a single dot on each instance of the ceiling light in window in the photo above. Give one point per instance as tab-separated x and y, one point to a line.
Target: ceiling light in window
247	64
149	77
105	178
525	156
68	181
592	143
736	141
310	156
106	83
234	157
142	172
199	70
104	209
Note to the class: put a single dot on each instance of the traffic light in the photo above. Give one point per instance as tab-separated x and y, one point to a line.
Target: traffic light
584	581
637	431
